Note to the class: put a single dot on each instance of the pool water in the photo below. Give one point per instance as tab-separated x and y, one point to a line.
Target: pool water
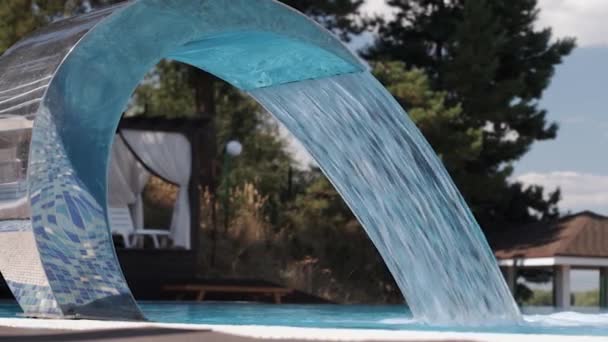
591	322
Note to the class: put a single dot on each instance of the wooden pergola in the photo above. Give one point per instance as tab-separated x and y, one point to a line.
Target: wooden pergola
147	270
578	241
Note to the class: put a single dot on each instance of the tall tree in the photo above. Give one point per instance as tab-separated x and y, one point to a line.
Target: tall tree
489	58
339	16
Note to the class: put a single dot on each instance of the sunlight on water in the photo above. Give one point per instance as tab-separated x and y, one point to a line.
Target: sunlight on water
400	192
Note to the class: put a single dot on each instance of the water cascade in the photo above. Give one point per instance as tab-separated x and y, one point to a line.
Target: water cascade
397	187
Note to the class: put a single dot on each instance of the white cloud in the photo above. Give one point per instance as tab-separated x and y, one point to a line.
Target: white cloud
583	19
376	7
580	191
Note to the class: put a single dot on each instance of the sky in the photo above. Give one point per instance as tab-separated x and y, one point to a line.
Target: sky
577	160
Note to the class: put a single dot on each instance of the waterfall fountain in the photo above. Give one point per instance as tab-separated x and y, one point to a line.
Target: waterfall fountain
74	78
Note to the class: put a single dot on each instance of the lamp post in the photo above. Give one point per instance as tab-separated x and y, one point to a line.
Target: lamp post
233	149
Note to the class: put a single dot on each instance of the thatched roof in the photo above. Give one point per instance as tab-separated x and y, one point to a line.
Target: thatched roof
581	235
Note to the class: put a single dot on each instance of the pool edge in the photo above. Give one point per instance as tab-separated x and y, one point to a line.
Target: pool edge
292	333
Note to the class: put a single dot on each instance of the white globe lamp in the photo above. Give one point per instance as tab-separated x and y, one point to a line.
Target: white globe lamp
234	148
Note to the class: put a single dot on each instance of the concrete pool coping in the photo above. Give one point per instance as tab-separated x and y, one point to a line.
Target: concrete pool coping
131	331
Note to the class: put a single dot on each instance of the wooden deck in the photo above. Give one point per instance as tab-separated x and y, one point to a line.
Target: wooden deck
200	291
151	273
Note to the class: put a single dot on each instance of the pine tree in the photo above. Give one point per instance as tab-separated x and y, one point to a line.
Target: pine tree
338	16
431	113
489	58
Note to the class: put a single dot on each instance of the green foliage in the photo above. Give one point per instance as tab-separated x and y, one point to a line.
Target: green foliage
339	16
20	17
265	161
323	228
16	20
539	298
588	298
431	113
165	92
579	299
489	59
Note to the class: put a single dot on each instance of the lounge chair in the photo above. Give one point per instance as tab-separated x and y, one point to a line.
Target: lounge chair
122	225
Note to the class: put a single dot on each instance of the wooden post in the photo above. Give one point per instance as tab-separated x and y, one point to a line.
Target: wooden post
604	287
510	275
194	192
309	268
203	84
561	286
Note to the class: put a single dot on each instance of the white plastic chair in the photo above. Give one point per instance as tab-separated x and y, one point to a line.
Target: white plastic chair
122	224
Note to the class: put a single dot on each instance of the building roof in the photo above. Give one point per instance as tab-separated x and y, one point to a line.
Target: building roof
580	235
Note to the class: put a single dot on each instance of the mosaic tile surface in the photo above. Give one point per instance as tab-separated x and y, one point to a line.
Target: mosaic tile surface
22	269
72	234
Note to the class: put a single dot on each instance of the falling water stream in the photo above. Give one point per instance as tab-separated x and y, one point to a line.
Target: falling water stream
397	187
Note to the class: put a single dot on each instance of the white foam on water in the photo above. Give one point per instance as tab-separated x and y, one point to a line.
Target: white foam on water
398	321
569	319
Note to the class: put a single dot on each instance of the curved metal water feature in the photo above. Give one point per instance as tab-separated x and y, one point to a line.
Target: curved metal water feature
73	80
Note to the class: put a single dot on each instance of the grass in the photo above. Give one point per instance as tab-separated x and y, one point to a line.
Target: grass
580	299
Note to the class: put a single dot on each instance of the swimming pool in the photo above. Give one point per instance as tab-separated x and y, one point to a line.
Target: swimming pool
591	322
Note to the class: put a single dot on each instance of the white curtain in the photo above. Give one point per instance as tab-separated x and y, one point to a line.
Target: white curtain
169	155
126	181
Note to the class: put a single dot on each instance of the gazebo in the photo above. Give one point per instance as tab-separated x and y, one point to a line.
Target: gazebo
148	269
578	241
179	151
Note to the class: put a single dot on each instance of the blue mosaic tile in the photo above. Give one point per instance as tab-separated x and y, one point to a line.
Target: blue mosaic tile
52	219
